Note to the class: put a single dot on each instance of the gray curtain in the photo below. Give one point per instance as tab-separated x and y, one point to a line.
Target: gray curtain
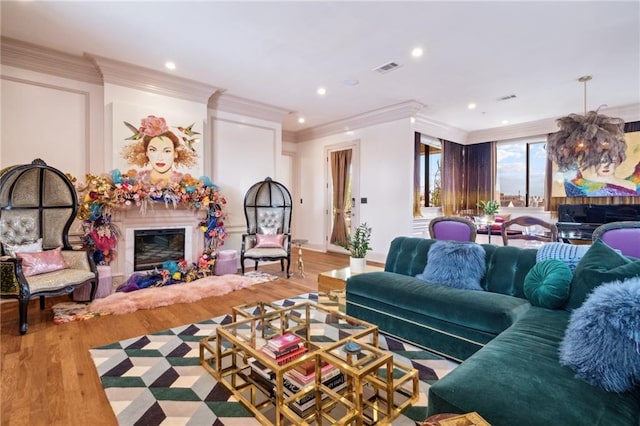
340	165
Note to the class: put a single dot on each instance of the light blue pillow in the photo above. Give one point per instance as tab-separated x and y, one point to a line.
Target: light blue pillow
602	341
567	253
455	264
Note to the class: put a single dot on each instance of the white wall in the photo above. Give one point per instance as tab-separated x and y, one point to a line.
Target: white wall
56	119
386	179
245	150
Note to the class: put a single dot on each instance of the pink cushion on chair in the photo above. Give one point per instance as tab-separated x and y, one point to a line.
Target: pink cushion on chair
42	262
270	241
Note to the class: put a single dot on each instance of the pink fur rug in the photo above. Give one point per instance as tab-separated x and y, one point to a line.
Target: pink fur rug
124	303
148	298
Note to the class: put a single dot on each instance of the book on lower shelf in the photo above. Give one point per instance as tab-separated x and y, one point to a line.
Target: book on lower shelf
303	406
326	373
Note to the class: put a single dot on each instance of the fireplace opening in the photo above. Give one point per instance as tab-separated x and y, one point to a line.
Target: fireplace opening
152	247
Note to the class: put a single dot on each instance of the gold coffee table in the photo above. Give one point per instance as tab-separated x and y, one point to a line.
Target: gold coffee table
377	387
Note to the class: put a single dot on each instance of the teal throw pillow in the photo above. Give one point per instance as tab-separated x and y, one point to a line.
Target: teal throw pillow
600	264
547	284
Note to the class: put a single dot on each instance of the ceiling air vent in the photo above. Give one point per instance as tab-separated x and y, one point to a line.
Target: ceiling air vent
389	66
506	98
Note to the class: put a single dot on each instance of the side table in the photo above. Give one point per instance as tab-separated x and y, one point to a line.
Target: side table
298	242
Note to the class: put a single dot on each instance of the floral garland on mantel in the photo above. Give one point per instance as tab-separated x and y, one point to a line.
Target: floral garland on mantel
100	195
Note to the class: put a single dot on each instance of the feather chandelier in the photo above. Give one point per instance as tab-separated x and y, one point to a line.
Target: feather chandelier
586	140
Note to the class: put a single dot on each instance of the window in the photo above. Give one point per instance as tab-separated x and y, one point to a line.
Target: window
430	171
521	173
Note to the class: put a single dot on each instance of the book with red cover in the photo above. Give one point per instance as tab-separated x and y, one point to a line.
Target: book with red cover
277	354
290	356
279	343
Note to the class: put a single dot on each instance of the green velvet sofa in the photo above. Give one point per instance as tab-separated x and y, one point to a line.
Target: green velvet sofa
510	371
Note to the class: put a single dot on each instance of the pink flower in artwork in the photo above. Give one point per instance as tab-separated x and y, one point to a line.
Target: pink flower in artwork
153	126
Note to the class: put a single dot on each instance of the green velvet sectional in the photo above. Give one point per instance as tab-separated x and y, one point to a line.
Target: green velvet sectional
510	371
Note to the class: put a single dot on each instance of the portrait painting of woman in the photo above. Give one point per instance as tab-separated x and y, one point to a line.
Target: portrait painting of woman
159	150
613	169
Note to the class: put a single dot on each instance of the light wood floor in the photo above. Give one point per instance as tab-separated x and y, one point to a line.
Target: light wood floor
48	377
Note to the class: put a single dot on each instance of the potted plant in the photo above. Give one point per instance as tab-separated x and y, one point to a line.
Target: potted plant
490	208
358	245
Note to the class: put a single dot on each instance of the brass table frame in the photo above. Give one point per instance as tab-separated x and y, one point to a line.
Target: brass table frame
378	388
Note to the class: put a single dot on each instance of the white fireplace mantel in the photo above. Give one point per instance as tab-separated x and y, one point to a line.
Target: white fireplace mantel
156	216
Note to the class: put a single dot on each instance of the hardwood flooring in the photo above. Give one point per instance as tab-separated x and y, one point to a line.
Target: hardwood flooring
48	376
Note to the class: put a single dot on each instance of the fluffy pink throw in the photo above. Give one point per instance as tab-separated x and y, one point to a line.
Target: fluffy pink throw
124	303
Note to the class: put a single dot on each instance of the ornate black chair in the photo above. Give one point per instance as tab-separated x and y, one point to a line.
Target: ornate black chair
267	208
38	204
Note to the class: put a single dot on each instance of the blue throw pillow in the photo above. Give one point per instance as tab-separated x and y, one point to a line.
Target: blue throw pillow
567	253
455	264
602	341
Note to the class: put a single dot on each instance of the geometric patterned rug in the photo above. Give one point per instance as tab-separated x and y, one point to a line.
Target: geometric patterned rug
157	379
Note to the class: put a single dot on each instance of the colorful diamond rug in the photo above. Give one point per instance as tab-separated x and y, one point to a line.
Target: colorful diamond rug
157	379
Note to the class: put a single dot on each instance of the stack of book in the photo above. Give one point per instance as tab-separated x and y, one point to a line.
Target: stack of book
285	348
304	374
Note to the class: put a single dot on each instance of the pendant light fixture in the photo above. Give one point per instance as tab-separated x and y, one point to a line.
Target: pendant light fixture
586	140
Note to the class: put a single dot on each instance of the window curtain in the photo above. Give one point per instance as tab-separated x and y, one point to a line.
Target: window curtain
551	203
417	146
452	177
340	165
480	176
468	176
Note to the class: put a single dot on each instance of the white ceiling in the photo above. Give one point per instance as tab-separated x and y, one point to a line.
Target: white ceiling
280	52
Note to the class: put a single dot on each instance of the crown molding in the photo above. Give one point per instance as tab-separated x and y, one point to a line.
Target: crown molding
288	136
20	54
148	80
378	116
437	129
544	126
237	105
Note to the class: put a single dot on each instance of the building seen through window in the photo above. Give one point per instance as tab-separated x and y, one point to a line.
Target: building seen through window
520	176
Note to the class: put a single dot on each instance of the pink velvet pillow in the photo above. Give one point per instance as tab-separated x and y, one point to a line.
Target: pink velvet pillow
41	262
270	241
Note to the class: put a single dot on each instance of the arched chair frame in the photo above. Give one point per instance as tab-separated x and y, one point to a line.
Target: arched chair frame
621	235
267	208
551	233
452	228
39	202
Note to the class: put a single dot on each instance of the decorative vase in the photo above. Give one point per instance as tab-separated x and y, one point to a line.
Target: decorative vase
489	218
357	264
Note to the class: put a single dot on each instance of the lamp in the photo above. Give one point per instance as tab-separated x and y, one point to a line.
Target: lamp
586	140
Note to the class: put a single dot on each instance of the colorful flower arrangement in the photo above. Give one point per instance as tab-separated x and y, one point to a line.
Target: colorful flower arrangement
100	195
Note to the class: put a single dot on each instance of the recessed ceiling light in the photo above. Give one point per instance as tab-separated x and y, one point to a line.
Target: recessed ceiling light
505	121
321	91
349	132
417	52
170	65
412	120
301	120
471	106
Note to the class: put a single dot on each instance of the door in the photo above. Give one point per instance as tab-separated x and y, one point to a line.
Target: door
342	184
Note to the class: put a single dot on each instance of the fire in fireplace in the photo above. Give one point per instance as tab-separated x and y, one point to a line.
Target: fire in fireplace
154	246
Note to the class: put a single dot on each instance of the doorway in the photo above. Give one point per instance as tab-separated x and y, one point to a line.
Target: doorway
343	189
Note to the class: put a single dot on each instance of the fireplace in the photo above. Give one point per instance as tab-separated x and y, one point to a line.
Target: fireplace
154	246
